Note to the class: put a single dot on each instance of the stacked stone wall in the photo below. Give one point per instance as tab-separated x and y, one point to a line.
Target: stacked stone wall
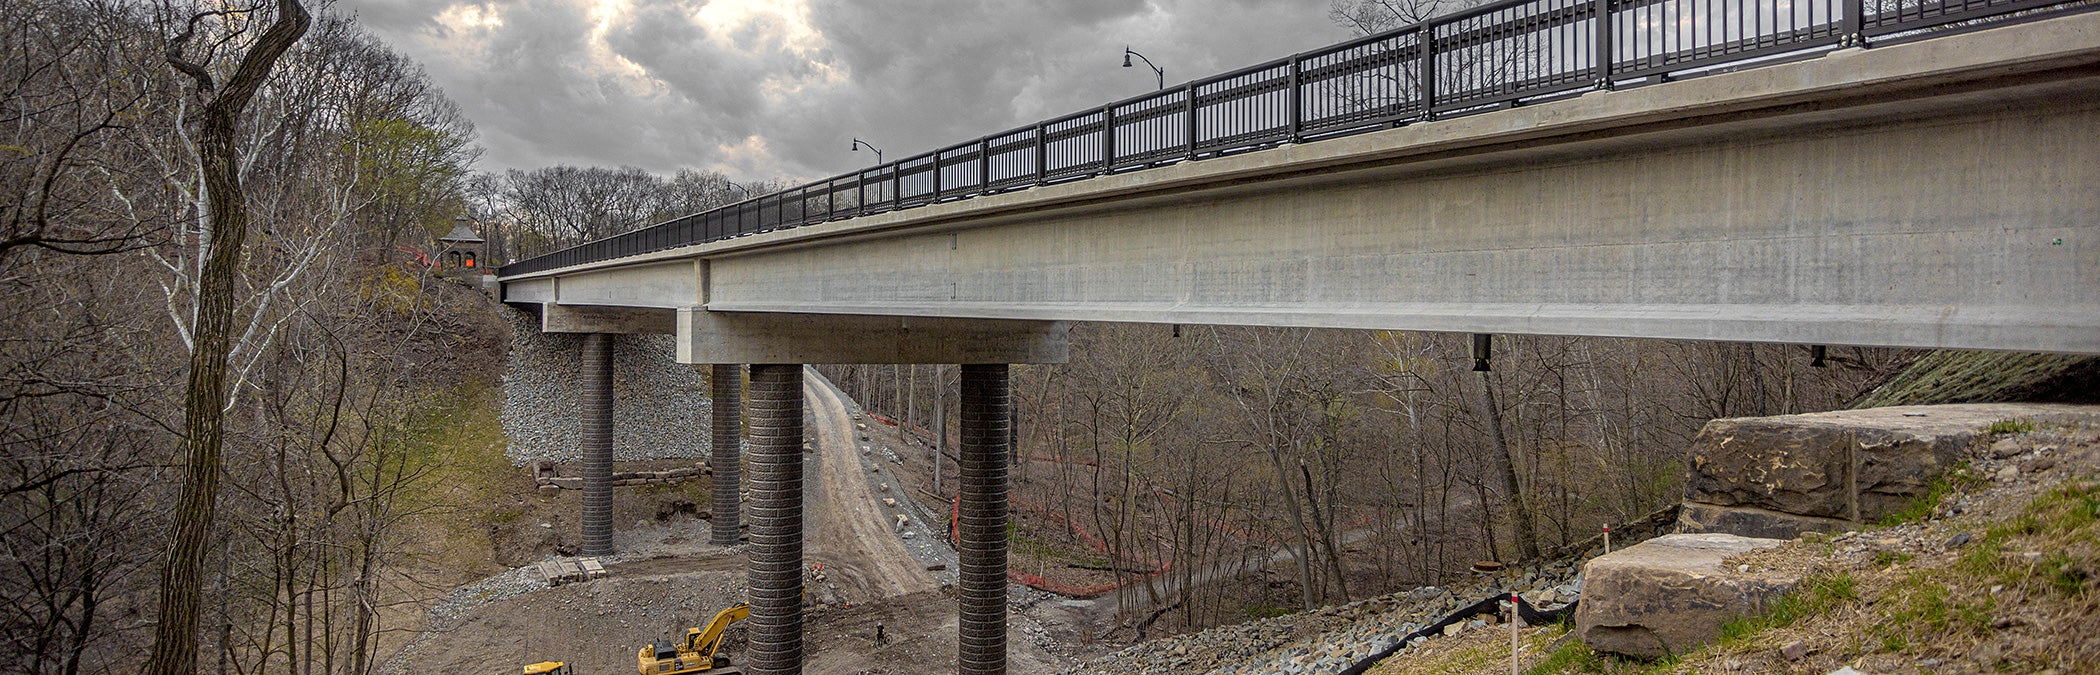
661	408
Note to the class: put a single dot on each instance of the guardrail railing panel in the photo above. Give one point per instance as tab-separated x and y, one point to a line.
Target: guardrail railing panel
1665	35
915	181
1530	49
1499	54
1015	159
1152	129
1073	146
1369	84
1244	109
961	171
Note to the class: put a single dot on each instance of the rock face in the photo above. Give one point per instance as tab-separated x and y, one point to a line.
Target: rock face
1780	476
1671	594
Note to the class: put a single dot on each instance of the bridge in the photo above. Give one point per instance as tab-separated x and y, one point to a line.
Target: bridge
1825	172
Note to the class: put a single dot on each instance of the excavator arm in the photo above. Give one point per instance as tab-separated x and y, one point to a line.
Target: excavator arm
704	641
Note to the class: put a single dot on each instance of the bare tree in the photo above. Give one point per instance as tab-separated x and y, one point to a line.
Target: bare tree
71	122
175	635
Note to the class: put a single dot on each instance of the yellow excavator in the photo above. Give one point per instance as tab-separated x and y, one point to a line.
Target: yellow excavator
549	668
696	653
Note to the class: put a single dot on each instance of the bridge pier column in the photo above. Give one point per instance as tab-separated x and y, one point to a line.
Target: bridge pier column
727	457
986	408
596	437
776	519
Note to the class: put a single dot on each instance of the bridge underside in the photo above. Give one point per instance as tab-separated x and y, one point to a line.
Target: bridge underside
1944	193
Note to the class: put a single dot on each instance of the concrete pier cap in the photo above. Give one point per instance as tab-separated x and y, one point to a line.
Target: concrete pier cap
768	337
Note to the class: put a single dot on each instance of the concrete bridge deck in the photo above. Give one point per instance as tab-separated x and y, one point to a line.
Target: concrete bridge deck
1939	193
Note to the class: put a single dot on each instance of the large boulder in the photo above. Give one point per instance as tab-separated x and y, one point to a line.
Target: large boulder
1779	476
1671	594
1792	464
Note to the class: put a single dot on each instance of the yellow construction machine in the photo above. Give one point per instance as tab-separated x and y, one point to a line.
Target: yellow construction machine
549	668
696	653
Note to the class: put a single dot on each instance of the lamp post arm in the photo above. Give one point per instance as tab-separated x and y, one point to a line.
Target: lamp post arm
1161	73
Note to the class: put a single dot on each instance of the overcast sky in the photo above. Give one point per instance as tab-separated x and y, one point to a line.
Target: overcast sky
779	88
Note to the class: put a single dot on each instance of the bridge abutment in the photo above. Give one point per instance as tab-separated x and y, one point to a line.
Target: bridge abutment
776	519
727	387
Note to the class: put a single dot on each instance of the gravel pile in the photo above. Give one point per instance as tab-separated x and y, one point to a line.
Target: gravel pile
503	586
660	407
1328	640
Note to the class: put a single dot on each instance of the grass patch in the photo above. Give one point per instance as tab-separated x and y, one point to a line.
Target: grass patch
1467	660
694	490
458	436
2010	426
455	443
1816	595
1961	478
1571	657
2043	555
1925	608
1265	610
2034	551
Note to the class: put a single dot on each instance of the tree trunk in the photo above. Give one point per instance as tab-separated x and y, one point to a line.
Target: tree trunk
1305	545
1519	511
939	425
204	401
1327	535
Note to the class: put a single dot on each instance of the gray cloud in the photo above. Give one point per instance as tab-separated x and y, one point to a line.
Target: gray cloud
646	83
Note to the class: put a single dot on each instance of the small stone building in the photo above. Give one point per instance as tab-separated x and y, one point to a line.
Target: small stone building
461	250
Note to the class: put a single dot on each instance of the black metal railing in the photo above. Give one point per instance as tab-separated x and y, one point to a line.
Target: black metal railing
1479	59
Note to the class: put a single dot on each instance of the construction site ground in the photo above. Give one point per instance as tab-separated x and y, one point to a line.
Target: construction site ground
864	570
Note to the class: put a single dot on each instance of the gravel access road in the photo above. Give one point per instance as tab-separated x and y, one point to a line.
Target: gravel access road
847	530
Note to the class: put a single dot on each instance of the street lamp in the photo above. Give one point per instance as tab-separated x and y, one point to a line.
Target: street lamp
1156	70
858	144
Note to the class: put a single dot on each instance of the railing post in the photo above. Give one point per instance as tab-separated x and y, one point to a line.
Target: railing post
860	190
897	185
1425	78
1108	138
984	165
1601	12
936	197
1855	25
1189	98
1297	122
1042	154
